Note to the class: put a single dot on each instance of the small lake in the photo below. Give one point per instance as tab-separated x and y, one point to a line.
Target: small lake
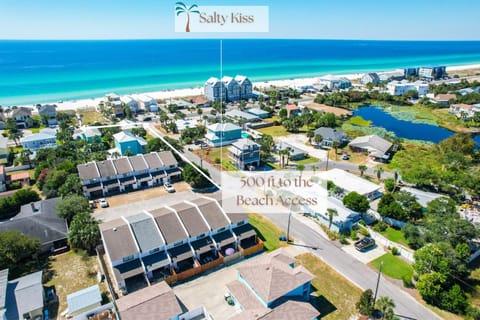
405	129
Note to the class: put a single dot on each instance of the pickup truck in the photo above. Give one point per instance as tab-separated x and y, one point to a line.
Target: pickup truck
364	244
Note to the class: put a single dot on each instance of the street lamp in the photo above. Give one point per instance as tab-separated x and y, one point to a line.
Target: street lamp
378	282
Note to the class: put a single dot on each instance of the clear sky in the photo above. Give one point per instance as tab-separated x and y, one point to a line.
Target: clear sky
322	19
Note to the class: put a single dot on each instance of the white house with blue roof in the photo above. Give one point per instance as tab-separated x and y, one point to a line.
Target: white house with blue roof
84	300
39	140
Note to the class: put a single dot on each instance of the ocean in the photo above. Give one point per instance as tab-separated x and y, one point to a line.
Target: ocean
47	71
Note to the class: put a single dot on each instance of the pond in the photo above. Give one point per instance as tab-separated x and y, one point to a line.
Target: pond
405	129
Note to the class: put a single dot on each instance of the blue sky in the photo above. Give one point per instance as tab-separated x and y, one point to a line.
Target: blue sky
323	19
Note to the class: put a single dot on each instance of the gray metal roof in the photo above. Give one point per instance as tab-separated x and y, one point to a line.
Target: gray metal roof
191	218
153	160
84	298
24	294
106	168
145	231
118	239
167	158
138	163
331	134
3	287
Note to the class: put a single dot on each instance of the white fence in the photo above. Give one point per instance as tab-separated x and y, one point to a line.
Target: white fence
381	240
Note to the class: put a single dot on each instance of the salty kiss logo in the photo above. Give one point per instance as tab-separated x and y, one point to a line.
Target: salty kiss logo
195	18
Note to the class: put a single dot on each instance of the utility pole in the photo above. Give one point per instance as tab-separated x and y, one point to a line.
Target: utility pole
288	225
328	154
378	282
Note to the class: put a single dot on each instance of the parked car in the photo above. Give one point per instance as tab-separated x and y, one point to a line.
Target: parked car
365	244
92	204
103	202
168	187
345	157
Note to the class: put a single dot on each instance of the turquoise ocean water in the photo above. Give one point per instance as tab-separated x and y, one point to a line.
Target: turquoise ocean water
46	71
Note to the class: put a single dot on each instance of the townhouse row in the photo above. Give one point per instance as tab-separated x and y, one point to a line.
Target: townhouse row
113	176
174	242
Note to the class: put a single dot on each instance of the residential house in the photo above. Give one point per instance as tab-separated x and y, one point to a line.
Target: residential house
239	116
228	89
332	82
147	103
129	144
4	151
215	90
245	153
232	87
157	302
432	72
262	114
84	300
464	111
181	104
409	72
3	178
271	287
90	134
370	77
376	147
349	182
444	99
294	152
128	173
329	136
399	88
3	293
24	297
38	141
114	104
220	134
466	91
130	102
200	102
292	110
2	120
23	117
40	220
185	124
48	113
246	87
174	242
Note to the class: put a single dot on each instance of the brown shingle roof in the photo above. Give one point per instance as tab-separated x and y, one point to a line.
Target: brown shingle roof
169	224
106	168
118	239
292	310
445	97
157	302
191	218
271	277
88	171
167	158
123	165
211	212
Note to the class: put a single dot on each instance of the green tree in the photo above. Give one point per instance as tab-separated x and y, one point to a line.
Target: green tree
300	168
195	178
72	205
443	207
318	138
386	305
389	184
356	202
72	185
379	171
362	168
430	286
53	181
25	196
13	132
84	232
181	8
15	247
140	132
331	213
365	304
389	207
266	143
155	144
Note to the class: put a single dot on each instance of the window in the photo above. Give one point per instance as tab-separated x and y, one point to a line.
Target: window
178	243
129	258
200	236
154	250
221	229
240	223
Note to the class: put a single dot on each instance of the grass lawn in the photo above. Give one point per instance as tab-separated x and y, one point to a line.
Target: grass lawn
90	116
212	154
267	231
359	121
70	272
393	267
336	295
274	131
395	235
308	160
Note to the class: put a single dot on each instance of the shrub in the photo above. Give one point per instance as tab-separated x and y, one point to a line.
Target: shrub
353	235
15	185
364	232
407	282
217	160
389	184
343	239
380	226
395	251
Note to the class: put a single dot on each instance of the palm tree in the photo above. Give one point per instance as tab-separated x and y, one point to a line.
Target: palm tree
335	146
115	155
182	8
289	151
313	168
386	306
362	168
331	213
318	138
379	172
300	168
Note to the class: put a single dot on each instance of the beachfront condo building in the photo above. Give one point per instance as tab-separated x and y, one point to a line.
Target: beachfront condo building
228	89
333	82
399	88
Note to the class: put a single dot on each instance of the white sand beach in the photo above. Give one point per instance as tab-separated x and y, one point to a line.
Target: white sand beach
179	93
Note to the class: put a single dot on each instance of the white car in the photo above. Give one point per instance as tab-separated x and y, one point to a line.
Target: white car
169	187
103	202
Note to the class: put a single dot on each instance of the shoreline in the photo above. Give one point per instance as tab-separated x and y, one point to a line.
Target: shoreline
196	91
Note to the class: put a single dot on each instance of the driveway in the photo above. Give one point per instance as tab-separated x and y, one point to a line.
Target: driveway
365	257
299	141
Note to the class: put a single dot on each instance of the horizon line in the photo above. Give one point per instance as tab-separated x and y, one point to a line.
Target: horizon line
241	38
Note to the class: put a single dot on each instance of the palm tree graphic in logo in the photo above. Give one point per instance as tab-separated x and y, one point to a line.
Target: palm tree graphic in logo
182	8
